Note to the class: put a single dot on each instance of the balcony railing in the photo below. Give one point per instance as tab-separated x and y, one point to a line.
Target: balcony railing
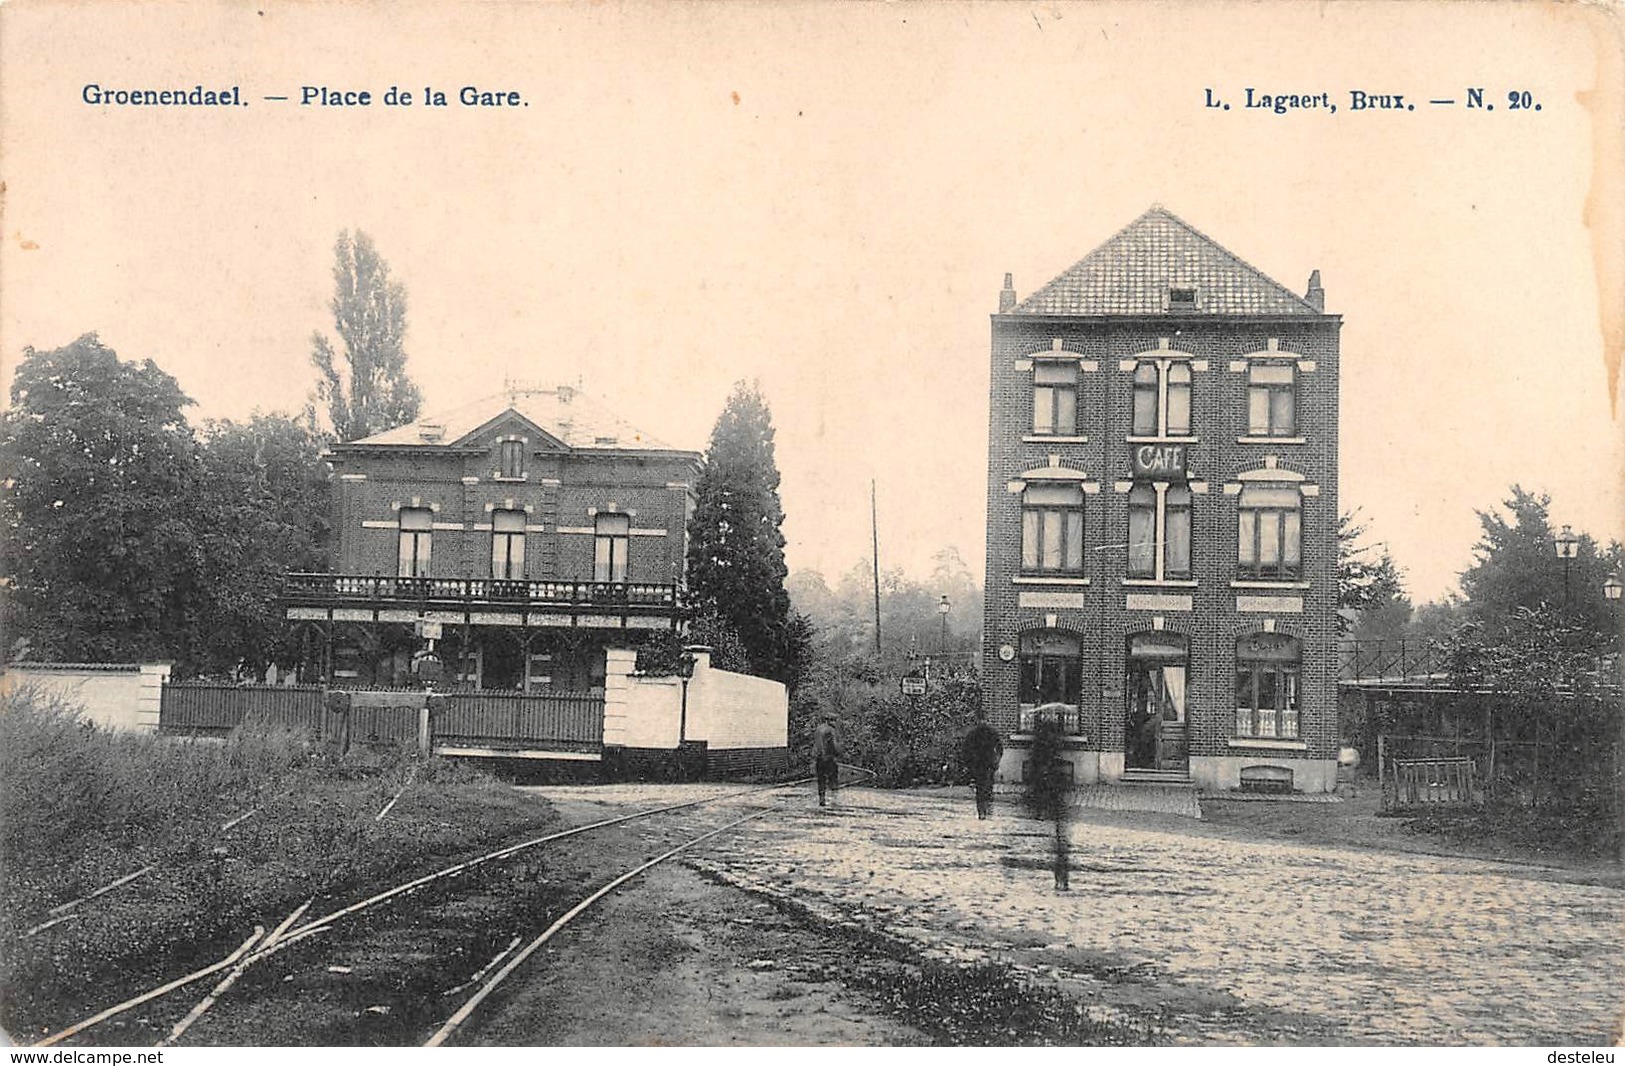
327	589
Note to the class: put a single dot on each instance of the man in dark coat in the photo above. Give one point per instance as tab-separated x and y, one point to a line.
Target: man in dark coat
980	753
826	750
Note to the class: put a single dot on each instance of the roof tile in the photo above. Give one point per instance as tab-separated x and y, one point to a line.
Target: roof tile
1132	273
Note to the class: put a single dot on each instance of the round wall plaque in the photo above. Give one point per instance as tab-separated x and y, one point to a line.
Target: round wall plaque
1007	652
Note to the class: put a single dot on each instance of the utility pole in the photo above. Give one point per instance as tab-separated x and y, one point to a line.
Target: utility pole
874	530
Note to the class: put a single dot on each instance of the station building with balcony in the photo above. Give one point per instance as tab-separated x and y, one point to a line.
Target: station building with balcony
1162	517
529	536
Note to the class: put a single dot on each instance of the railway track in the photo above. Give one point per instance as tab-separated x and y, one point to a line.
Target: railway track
374	928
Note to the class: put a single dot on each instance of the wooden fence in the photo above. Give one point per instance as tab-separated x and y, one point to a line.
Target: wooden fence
213	710
515	720
1432	783
506	721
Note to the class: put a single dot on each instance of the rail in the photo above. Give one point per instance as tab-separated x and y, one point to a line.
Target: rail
302	931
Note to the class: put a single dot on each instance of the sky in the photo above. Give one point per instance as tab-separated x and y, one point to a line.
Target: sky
825	198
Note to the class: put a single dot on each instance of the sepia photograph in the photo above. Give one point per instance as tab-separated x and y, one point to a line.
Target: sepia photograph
811	524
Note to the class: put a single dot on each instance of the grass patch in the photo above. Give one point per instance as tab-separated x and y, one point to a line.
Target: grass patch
81	807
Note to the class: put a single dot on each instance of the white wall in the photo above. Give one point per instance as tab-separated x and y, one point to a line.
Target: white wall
726	710
113	695
730	710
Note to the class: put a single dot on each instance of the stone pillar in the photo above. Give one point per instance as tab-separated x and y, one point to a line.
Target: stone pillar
618	666
699	719
150	696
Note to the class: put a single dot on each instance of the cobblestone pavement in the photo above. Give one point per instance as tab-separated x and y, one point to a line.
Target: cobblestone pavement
1210	940
1154	799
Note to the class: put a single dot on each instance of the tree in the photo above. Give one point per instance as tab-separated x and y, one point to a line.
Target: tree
100	559
263	510
1541	676
736	548
1369	585
1517	566
369	391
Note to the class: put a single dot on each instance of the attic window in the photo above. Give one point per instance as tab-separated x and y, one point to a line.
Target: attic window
431	431
1181	299
511	454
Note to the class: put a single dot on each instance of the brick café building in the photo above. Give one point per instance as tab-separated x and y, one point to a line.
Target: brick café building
1162	517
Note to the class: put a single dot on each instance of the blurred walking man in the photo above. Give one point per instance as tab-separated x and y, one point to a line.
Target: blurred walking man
826	750
980	753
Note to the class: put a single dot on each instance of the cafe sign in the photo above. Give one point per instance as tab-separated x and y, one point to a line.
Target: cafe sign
1160	462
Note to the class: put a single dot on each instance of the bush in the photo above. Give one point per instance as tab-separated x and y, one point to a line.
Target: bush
905	740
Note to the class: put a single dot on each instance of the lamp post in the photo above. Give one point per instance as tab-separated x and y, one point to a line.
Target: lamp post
1568	546
1612	588
942	612
685	673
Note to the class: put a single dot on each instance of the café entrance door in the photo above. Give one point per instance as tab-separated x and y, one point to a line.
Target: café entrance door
1158	666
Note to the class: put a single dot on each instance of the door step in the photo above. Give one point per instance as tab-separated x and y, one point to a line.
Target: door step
1156	777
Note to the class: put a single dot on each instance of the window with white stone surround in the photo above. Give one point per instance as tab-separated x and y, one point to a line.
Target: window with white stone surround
1052	529
1269	541
1055	398
1159	531
1162	398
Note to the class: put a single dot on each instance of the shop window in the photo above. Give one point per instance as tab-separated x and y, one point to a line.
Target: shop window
1051	668
1267	671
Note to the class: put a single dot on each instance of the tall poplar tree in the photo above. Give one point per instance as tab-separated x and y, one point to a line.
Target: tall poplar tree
364	389
735	547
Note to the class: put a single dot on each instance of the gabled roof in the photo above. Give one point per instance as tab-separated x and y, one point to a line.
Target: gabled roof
1132	273
564	413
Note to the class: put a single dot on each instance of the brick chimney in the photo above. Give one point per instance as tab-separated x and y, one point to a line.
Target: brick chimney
1007	295
1316	296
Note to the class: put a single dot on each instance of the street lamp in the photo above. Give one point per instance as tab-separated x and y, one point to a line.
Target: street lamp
685	673
1568	546
1613	587
942	612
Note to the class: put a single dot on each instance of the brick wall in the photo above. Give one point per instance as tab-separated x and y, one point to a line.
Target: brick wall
558	491
746	762
1103	621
